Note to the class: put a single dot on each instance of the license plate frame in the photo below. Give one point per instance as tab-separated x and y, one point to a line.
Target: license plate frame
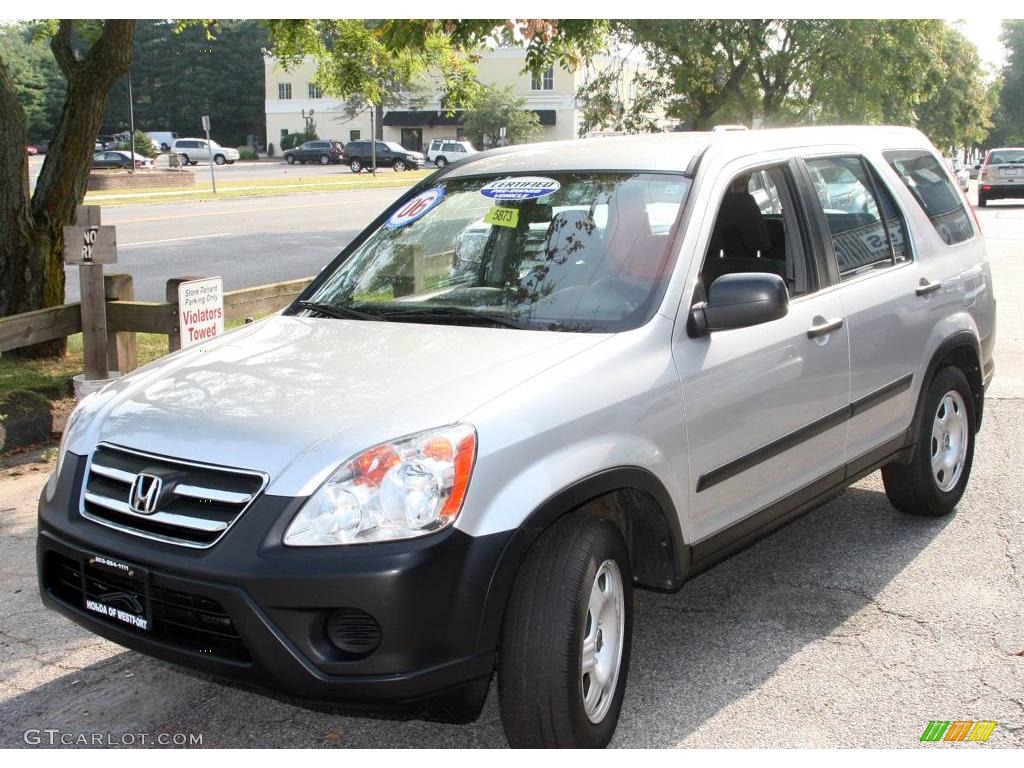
131	609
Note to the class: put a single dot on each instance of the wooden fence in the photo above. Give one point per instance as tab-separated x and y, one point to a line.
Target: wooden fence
126	317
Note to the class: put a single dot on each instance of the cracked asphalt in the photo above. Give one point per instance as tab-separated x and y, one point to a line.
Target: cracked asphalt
852	627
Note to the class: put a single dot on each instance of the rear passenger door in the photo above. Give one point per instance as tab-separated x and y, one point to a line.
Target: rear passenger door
871	255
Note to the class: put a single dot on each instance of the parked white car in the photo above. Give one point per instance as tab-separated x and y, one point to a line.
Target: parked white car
423	473
441	152
193	151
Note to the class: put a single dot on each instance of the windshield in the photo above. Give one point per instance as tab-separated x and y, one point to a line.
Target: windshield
1006	156
567	252
395	147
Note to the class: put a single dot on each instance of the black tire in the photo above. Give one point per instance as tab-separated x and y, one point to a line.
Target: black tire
914	487
219	159
441	162
540	681
325	159
982	200
290	159
183	159
356	165
399	166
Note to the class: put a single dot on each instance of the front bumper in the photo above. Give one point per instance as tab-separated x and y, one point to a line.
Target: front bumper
429	598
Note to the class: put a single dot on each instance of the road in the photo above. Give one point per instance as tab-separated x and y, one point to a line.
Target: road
854	626
247	241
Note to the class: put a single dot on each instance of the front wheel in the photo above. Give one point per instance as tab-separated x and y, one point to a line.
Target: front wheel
936	477
290	159
566	637
325	159
399	166
441	162
219	159
356	166
183	159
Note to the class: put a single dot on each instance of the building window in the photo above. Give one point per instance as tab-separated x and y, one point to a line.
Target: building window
284	90
284	132
315	92
545	81
353	135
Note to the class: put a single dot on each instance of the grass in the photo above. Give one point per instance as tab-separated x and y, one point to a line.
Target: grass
51	377
259	188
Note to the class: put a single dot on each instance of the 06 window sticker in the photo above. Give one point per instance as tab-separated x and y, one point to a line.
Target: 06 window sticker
416	208
520	188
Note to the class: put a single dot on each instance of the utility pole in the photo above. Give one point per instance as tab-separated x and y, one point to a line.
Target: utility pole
373	143
209	150
131	117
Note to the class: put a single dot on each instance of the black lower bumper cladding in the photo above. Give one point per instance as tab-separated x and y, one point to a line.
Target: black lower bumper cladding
419	615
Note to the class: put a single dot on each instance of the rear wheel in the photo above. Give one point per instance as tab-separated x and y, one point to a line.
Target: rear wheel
290	159
184	160
566	637
933	481
356	166
982	200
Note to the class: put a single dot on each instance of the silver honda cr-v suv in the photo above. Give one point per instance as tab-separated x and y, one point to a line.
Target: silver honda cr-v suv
542	378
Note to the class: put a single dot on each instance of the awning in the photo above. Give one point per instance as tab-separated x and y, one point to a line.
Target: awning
547	116
420	118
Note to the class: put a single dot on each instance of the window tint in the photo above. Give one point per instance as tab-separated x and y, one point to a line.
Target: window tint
1005	156
934	192
862	238
450	146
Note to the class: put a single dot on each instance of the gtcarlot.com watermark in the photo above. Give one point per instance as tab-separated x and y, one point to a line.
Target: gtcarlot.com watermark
54	737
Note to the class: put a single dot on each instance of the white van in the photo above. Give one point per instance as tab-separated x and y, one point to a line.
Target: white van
162	139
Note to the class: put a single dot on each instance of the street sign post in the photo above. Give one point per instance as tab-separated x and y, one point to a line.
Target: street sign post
89	246
209	149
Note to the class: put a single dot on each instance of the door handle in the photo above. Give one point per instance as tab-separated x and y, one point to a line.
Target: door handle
924	287
822	329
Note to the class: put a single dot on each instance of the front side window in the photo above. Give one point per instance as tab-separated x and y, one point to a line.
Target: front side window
543	81
284	90
932	189
854	203
566	252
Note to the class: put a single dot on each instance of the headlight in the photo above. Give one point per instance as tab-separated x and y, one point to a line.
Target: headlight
398	490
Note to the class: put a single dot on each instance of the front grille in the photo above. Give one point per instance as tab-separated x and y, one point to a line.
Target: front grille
197	503
190	622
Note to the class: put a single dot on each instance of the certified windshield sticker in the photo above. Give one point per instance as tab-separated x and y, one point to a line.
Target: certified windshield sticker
520	188
415	208
502	217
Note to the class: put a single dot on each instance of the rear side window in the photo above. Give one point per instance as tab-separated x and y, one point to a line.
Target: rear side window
933	190
865	225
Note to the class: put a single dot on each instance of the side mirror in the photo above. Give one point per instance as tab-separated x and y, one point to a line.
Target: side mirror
738	300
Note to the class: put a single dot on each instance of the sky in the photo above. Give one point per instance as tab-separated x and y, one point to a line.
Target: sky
984	33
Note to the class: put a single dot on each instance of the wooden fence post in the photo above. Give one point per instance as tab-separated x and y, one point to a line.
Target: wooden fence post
171	296
90	246
122	354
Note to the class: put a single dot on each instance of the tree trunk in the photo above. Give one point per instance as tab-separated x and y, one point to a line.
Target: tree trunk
31	268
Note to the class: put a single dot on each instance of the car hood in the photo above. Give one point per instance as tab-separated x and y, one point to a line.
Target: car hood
294	396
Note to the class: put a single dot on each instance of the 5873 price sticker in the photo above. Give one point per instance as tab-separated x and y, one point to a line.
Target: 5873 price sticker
502	217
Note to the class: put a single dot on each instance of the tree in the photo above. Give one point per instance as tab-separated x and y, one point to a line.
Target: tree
36	78
495	109
1008	121
181	72
91	56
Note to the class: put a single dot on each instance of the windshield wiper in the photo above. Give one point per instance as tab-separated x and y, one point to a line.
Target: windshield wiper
339	313
461	313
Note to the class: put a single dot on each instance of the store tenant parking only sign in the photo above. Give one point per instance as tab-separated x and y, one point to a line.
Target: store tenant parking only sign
200	310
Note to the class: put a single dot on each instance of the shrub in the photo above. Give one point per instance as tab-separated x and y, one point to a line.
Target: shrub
246	153
143	145
293	140
270	149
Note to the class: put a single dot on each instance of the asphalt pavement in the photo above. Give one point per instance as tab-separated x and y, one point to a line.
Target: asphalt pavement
854	626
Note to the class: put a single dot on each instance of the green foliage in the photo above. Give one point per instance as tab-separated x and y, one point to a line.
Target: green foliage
497	108
293	140
957	113
182	71
37	78
143	145
1007	96
270	149
245	153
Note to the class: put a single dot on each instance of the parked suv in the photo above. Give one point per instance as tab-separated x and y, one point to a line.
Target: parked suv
1001	175
320	151
440	152
193	151
360	155
425	472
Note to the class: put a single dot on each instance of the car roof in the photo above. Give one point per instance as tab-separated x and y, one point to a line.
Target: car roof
676	151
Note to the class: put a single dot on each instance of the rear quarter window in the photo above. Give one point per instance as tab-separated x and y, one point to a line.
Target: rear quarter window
934	191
